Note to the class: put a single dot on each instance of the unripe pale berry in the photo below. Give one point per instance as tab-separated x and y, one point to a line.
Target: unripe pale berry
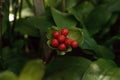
61	38
74	44
68	41
54	43
62	47
56	34
64	31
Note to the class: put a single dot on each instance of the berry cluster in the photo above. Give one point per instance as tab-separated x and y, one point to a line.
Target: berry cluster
61	41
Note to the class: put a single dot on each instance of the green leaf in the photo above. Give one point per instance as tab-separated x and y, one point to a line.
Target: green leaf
110	75
112	40
53	3
25	28
71	3
63	19
97	19
97	70
76	34
108	25
82	11
113	6
33	70
106	52
89	42
41	22
33	26
98	51
7	75
67	68
12	59
116	74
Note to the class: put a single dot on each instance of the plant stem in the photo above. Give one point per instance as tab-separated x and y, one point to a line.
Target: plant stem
15	16
39	8
1	17
29	4
63	5
20	9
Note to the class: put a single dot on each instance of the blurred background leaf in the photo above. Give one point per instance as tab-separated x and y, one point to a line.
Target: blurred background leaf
67	67
7	75
33	70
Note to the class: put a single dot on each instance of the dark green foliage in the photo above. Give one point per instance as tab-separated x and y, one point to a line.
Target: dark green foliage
94	23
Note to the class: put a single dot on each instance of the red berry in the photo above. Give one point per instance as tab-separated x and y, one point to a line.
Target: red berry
62	47
74	44
64	31
56	34
61	38
54	43
68	41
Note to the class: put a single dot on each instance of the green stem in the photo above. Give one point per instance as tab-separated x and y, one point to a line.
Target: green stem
20	9
63	5
1	17
15	16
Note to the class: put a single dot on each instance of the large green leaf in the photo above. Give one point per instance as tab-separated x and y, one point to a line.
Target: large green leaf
7	75
98	51
26	28
113	6
33	26
105	52
53	3
111	74
97	19
108	25
97	70
12	59
71	3
112	40
34	70
63	19
67	68
89	42
82	11
116	74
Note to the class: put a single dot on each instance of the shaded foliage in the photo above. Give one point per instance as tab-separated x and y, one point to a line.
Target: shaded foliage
94	23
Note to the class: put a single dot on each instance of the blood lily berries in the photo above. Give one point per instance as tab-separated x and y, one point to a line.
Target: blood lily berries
64	31
56	34
68	41
54	43
74	44
62	47
61	38
61	41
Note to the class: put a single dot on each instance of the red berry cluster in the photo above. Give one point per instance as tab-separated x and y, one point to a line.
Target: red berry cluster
61	41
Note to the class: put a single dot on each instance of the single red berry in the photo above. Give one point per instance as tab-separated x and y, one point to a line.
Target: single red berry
68	41
62	47
64	31
61	38
56	34
54	43
74	44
